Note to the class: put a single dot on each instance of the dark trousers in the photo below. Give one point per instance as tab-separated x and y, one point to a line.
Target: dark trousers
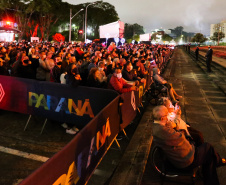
209	159
197	56
197	136
208	66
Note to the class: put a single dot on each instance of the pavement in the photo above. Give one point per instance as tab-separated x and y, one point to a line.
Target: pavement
203	106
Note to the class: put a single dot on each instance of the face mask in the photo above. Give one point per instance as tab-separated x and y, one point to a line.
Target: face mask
101	69
26	61
130	68
59	63
119	75
44	56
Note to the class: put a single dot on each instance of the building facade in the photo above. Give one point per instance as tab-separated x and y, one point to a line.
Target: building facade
218	27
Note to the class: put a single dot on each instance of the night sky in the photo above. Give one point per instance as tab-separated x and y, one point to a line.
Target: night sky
193	15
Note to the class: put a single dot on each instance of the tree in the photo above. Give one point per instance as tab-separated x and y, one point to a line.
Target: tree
217	36
132	30
19	12
178	31
166	37
99	14
199	37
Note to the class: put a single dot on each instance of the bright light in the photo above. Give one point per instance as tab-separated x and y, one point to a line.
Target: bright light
89	30
7	22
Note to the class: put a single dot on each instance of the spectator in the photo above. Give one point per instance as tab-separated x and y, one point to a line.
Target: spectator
25	69
73	77
160	82
93	63
118	84
56	72
180	152
95	79
3	68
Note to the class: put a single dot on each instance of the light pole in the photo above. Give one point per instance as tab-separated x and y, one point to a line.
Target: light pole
86	19
70	22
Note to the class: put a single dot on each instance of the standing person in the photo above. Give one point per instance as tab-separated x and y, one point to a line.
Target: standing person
209	58
197	53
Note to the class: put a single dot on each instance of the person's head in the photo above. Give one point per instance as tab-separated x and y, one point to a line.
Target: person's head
43	55
25	61
167	103
209	46
160	113
95	60
98	54
72	69
128	66
49	55
58	61
101	65
118	72
94	74
72	59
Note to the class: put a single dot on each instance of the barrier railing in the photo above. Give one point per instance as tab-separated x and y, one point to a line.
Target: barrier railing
100	118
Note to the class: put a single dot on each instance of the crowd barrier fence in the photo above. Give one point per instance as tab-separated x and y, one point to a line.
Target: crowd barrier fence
101	114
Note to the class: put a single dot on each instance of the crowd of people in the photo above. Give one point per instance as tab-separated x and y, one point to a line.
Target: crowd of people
120	68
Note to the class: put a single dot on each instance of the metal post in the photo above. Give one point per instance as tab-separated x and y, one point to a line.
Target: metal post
70	26
86	19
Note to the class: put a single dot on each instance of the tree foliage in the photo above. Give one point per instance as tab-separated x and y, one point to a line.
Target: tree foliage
44	16
131	30
215	36
166	37
199	37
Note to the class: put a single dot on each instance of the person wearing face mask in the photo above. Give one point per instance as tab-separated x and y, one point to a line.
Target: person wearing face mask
56	72
128	75
101	68
161	83
25	69
182	153
118	84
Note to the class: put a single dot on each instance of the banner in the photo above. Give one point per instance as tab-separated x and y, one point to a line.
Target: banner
77	105
76	162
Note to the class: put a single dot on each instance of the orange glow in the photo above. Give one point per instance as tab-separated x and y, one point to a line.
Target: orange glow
8	22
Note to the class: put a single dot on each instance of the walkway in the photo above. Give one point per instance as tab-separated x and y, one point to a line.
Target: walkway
203	106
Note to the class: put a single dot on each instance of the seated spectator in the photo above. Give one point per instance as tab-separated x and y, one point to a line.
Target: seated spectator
180	152
128	75
118	84
93	63
174	115
95	79
159	81
101	68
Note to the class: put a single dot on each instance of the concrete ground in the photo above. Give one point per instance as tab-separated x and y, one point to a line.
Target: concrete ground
203	106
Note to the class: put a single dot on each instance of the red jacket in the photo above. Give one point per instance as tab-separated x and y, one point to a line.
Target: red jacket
119	85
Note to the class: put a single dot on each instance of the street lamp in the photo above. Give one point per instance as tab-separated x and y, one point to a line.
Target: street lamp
70	21
86	18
